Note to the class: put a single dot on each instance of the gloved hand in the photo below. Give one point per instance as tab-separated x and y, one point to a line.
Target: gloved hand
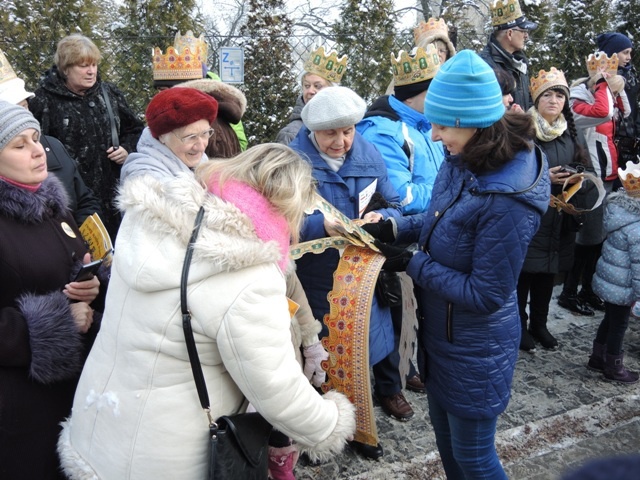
385	231
313	355
397	257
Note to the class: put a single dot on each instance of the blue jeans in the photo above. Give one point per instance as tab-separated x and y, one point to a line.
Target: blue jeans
466	446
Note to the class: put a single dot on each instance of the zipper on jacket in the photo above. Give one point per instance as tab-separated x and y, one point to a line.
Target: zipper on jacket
450	322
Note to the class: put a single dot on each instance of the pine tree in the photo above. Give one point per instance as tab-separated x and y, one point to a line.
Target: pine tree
573	34
269	83
146	24
538	51
366	34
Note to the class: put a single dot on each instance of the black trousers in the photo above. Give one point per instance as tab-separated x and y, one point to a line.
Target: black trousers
537	288
584	266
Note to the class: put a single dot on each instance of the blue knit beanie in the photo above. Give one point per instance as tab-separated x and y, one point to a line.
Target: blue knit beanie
464	93
613	42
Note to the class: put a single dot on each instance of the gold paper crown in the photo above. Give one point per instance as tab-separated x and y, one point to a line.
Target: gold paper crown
630	178
6	71
433	27
546	80
418	66
185	60
600	62
505	12
327	65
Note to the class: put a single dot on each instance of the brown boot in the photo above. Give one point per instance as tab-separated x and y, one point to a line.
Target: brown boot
396	406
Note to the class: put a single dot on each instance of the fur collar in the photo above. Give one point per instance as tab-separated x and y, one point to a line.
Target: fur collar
631	204
27	207
227	239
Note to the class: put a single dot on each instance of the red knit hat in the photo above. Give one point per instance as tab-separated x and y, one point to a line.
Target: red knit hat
178	107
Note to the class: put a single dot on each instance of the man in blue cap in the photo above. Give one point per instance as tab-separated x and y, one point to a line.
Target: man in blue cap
504	50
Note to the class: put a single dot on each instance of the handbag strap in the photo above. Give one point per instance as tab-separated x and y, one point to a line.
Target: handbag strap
196	368
115	141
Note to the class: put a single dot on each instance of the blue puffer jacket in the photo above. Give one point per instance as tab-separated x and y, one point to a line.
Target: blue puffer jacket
363	165
617	277
402	135
476	231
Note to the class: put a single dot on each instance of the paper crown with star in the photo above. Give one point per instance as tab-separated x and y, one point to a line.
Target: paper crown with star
630	178
419	65
546	80
185	60
601	62
326	64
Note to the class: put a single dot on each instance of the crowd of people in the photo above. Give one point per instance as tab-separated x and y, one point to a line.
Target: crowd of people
476	181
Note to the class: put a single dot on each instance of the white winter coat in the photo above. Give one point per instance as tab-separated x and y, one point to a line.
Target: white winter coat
136	413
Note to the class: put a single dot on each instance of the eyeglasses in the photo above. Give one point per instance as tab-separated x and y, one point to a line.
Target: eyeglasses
526	32
191	140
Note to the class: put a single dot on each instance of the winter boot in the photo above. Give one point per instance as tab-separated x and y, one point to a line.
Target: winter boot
539	332
526	342
572	303
614	370
597	358
588	297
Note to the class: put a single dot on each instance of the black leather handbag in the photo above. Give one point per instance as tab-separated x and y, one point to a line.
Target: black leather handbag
238	444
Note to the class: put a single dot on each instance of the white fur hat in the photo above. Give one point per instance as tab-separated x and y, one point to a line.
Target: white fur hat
333	107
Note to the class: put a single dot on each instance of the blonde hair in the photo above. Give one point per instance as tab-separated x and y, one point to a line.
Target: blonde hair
275	171
73	50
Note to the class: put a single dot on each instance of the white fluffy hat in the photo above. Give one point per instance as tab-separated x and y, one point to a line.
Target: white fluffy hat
333	107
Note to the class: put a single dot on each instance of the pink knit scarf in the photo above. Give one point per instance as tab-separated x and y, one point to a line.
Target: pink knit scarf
267	222
29	188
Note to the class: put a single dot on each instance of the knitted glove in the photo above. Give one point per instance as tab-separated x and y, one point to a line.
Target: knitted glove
313	355
385	231
397	258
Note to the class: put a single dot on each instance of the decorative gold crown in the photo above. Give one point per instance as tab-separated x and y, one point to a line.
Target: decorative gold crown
505	12
418	66
546	80
600	62
185	60
6	71
327	65
630	178
431	28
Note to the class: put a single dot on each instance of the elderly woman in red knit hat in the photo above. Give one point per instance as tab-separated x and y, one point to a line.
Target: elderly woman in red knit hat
179	128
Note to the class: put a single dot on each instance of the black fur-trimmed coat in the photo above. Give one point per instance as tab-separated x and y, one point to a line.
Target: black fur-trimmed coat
41	352
82	124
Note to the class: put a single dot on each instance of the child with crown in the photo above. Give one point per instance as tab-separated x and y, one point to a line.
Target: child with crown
617	277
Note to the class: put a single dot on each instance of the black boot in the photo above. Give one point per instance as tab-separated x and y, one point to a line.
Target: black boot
572	303
367	451
539	332
588	297
526	342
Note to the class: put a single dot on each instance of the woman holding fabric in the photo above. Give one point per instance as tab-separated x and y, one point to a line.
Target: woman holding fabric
349	172
137	398
551	250
47	321
488	199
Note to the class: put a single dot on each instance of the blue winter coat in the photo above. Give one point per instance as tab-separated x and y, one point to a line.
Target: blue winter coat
362	166
476	232
617	277
402	135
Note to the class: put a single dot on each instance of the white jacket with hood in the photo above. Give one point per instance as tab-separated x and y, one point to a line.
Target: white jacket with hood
136	413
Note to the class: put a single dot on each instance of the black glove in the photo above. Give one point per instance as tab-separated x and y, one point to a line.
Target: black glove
381	230
397	258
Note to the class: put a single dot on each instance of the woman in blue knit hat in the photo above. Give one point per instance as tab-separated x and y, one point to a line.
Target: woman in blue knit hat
488	199
628	129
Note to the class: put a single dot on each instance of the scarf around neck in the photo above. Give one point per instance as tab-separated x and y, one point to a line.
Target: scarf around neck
546	131
268	224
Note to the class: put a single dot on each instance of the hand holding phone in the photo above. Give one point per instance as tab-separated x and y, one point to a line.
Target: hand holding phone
88	271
